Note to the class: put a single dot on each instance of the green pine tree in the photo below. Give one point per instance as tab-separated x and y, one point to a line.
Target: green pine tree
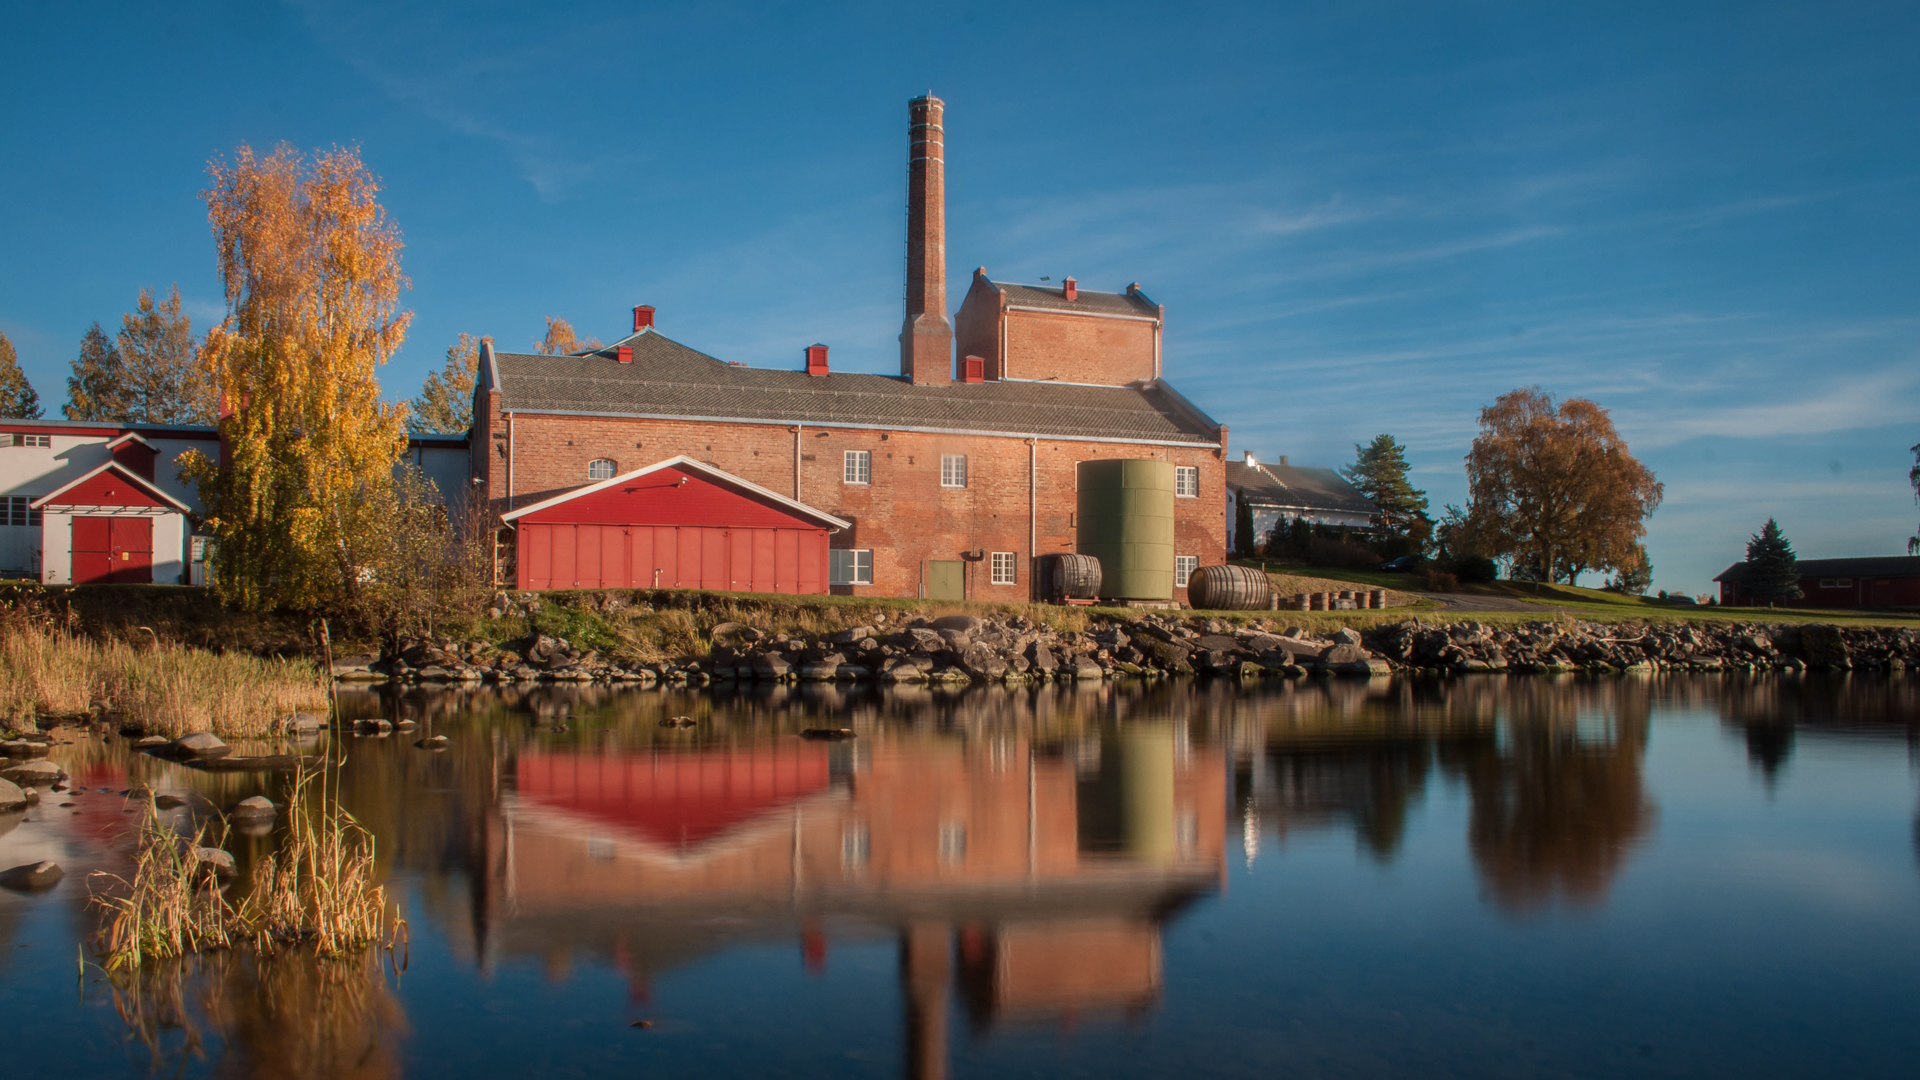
160	366
445	403
1772	571
1379	471
18	399
98	388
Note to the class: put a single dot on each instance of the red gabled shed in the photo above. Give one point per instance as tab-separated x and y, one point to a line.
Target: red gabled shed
676	524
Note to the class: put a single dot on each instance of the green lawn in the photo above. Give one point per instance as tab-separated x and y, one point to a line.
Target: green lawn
1596	603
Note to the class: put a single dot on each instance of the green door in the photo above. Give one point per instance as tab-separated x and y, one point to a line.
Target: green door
946	580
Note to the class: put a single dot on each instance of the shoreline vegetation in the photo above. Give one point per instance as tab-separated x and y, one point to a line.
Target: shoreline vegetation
160	687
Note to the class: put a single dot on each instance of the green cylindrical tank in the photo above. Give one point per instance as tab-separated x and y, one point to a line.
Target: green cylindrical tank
1126	521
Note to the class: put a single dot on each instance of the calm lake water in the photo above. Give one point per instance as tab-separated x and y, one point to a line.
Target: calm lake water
1483	877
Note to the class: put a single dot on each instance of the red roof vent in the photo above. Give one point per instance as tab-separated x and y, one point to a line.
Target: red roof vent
973	369
642	317
1071	288
816	359
626	354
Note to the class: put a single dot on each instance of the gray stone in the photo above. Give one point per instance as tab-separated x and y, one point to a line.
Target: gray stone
982	662
1822	645
151	742
304	721
23	748
966	624
821	671
433	742
1084	668
771	666
1335	655
851	635
253	808
1346	636
34	772
32	877
11	797
201	744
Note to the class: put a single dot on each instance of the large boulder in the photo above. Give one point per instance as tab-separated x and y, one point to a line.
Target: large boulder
23	748
11	797
1042	657
200	744
966	624
1346	636
1086	670
32	877
771	666
1167	655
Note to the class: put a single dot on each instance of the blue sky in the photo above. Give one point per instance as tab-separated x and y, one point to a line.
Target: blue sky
1360	217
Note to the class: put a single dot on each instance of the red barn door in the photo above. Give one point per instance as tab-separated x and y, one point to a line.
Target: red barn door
90	546
130	550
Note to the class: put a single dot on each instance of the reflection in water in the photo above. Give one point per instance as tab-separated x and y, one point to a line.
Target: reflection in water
1024	850
290	1016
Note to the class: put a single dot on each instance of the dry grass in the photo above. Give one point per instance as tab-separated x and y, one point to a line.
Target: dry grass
164	689
317	893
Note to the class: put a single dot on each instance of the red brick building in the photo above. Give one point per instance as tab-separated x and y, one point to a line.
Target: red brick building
952	482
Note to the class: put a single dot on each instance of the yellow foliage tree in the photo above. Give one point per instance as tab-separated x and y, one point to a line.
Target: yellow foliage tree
311	270
562	341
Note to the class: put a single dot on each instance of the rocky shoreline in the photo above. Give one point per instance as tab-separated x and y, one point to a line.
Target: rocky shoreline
965	649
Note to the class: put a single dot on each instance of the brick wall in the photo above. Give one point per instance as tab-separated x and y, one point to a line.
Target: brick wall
904	514
1078	348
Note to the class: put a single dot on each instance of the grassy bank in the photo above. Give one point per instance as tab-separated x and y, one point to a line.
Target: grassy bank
160	687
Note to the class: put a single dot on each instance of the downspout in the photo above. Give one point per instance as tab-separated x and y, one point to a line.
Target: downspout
1158	324
1006	362
509	461
1033	516
796	464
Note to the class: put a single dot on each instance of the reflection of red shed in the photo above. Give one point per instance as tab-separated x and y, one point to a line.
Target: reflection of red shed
679	800
677	524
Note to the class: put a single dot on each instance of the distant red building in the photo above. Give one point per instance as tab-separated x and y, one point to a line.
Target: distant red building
1884	582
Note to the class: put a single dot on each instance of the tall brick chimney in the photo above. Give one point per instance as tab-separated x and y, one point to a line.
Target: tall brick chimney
926	340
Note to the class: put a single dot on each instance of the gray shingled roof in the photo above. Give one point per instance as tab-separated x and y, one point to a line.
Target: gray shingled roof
1055	299
1871	566
668	379
1288	486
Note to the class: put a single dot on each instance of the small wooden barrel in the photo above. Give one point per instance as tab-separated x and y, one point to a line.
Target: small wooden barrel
1362	599
1075	577
1302	602
1317	601
1379	598
1229	588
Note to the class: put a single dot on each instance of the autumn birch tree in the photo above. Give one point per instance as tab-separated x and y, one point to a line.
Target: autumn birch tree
311	270
1553	487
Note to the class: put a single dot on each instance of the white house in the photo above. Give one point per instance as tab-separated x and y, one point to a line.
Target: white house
85	502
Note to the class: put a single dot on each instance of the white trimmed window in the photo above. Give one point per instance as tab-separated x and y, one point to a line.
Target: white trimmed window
600	469
1186	481
16	512
953	470
1003	571
850	566
1183	568
857	467
44	442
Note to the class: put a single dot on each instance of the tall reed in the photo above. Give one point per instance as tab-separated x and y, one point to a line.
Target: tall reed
318	892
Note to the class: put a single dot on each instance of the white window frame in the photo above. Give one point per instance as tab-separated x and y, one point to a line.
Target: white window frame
850	566
605	464
1183	568
1004	567
1186	482
856	467
953	470
24	439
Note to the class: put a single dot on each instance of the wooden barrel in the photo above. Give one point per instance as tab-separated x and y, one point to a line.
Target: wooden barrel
1379	598
1317	601
1363	599
1302	602
1075	576
1229	588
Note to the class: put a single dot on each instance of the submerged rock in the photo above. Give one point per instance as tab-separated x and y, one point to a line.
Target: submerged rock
433	742
201	744
34	772
32	877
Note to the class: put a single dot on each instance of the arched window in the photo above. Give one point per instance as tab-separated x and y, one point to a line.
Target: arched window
600	469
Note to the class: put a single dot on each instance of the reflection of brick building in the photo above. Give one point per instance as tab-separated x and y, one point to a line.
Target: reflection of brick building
1033	881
